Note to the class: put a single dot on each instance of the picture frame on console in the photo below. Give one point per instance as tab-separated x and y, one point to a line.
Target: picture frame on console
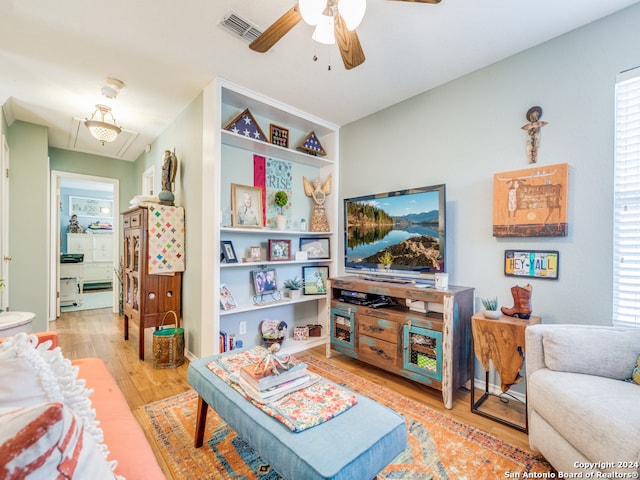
314	280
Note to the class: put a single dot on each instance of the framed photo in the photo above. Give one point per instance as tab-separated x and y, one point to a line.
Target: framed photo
279	136
90	207
531	263
227	302
265	281
279	250
255	254
315	280
246	203
316	248
228	253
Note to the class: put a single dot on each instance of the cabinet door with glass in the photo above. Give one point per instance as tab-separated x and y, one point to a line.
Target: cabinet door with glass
343	330
131	266
422	351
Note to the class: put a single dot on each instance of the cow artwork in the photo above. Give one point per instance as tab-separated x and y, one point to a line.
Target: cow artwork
531	202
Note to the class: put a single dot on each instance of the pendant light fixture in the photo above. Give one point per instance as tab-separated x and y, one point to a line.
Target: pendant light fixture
99	128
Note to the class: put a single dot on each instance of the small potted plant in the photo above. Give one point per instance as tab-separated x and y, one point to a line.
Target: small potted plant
491	308
386	259
293	285
280	199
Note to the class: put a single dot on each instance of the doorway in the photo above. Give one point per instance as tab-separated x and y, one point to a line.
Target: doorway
5	257
84	243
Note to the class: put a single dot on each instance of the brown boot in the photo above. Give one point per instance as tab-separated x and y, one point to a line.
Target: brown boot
513	311
521	302
524	305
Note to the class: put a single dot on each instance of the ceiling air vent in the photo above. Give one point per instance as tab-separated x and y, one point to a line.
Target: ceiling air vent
240	27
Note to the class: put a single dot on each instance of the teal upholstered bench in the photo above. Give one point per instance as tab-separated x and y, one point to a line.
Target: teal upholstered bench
355	445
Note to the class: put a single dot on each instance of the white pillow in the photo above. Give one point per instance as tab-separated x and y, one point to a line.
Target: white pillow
31	374
48	441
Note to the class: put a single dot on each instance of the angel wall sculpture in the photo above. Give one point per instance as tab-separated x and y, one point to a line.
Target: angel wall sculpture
318	191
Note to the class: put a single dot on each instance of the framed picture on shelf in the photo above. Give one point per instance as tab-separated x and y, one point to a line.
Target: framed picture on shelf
316	248
265	281
279	250
255	254
246	203
228	253
227	302
279	136
315	280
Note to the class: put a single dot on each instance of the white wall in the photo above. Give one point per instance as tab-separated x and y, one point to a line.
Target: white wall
464	132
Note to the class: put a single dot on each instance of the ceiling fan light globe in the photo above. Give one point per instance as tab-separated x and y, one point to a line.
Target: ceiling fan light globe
352	11
325	31
311	10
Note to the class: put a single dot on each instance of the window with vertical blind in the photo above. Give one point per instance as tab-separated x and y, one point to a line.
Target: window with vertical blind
626	219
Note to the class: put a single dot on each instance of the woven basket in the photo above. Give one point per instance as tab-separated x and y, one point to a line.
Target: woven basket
168	344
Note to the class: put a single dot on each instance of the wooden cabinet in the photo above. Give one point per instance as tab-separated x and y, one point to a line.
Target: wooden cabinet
146	297
430	347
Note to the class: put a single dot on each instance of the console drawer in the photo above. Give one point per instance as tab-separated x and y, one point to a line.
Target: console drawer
132	220
378	328
376	351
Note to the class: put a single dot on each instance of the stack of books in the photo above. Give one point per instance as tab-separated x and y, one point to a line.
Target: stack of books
265	386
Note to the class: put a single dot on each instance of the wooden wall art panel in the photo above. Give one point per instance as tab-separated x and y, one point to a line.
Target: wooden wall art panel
531	202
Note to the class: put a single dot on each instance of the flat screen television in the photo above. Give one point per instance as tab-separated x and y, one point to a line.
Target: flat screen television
408	224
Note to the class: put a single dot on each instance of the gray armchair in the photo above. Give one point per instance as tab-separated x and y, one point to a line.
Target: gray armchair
583	416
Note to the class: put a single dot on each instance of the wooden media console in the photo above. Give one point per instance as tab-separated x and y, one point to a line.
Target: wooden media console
418	332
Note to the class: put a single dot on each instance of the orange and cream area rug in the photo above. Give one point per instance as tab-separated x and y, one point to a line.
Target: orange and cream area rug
439	448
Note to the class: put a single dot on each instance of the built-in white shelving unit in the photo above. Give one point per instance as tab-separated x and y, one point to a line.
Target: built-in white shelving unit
229	159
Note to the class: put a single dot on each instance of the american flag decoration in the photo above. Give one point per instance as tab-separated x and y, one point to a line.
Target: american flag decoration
246	126
312	145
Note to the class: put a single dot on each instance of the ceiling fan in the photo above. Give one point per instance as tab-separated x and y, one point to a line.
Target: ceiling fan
335	21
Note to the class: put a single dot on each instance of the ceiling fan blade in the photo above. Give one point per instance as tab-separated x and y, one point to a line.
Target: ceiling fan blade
349	45
277	30
420	1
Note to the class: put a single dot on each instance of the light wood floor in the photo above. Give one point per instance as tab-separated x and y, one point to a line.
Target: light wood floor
99	333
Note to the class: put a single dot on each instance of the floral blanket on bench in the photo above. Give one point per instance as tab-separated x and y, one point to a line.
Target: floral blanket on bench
298	410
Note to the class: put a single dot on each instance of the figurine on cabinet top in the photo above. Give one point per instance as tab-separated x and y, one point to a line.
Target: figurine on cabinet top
169	167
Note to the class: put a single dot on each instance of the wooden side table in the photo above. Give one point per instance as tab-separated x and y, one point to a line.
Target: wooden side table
502	342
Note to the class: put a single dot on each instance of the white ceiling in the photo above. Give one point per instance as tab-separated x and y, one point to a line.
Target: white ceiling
56	55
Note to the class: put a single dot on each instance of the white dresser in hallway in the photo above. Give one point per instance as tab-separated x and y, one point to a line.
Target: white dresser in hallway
97	249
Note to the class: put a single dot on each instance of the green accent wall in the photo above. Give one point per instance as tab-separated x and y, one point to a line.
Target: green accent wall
28	214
